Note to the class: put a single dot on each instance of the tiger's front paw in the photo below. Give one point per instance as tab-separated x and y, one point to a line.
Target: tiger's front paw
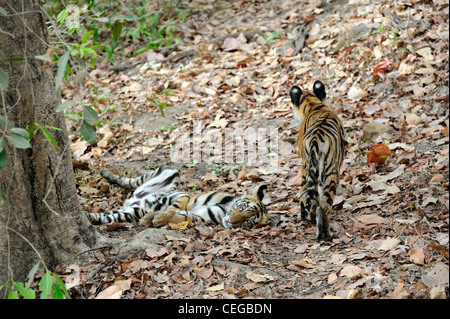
147	220
162	219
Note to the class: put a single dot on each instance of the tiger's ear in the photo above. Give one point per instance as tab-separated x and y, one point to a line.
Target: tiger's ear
295	94
319	90
260	191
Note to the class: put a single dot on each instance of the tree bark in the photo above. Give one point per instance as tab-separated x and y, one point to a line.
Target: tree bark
41	218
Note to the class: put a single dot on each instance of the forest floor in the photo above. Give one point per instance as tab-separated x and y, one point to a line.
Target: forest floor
385	68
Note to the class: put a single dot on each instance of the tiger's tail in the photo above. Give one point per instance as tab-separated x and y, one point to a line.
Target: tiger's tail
309	186
131	214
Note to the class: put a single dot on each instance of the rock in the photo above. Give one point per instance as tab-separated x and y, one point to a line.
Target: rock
438	275
374	129
413	119
356	93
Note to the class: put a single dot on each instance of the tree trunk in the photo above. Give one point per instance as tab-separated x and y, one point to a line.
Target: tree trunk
41	217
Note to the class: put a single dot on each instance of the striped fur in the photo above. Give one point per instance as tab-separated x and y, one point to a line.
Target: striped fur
156	203
321	146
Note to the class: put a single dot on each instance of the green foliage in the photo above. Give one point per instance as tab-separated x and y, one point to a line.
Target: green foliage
20	138
110	24
32	129
220	169
50	286
269	38
3	80
93	30
161	105
16	136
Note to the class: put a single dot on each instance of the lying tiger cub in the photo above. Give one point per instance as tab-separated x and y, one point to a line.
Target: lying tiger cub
156	203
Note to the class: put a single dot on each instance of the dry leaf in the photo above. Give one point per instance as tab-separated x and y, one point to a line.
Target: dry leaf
400	292
438	292
438	178
181	226
356	93
416	255
350	271
255	277
230	44
332	278
440	249
371	219
215	288
305	263
218	122
204	272
381	67
112	292
378	154
209	177
438	275
389	244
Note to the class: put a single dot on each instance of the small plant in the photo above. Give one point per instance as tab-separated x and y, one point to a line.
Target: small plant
161	105
220	169
32	129
269	38
50	285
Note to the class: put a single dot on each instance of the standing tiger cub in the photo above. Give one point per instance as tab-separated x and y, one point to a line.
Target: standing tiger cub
321	146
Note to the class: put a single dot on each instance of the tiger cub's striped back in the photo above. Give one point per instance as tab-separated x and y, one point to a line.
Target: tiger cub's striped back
321	146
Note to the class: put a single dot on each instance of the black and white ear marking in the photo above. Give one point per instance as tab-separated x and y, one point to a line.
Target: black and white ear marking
260	191
295	94
319	90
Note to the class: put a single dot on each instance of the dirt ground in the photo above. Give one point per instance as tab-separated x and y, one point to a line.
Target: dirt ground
383	63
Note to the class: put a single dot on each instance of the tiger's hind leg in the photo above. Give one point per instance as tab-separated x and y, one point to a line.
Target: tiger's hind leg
324	210
308	192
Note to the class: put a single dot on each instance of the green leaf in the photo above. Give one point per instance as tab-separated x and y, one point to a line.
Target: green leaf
62	62
88	132
57	293
103	19
85	36
90	115
18	141
53	128
4	81
3	11
2	159
117	29
31	274
64	105
62	286
45	285
50	138
27	293
13	295
62	15
20	131
44	57
4	123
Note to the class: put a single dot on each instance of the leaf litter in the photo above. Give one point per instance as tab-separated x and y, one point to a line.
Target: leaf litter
387	80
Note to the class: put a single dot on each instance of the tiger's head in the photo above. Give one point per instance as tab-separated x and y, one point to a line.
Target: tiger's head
249	211
298	97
